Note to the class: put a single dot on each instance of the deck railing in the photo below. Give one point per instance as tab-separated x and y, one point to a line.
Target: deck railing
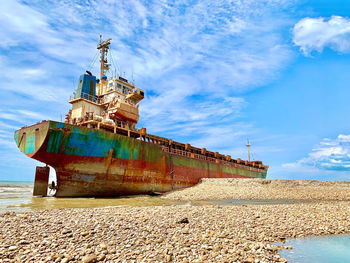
205	158
86	96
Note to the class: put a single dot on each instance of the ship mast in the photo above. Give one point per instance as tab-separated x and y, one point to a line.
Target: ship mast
248	146
103	46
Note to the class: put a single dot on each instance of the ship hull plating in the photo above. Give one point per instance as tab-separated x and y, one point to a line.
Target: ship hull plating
92	162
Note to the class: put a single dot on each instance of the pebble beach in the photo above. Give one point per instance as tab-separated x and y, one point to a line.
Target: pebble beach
180	233
263	189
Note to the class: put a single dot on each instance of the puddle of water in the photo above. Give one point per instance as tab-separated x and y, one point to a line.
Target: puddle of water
52	202
324	249
261	202
18	197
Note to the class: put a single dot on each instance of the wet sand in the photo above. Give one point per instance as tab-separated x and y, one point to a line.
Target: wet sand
244	232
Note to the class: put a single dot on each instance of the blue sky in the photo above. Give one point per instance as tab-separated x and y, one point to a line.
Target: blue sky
215	73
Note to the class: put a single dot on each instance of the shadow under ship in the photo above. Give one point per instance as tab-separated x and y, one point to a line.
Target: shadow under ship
99	152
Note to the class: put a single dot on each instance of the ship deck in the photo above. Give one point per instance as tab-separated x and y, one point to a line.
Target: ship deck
173	147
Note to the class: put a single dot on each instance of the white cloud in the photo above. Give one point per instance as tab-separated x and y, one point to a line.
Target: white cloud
14	27
232	46
22	116
8	126
330	154
315	34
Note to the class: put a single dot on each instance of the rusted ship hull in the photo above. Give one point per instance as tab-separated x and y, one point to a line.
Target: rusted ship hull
95	162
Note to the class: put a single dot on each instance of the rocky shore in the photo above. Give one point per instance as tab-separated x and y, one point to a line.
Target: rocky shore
165	234
181	233
263	189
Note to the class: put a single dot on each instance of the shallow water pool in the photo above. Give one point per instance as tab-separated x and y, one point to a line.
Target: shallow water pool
324	249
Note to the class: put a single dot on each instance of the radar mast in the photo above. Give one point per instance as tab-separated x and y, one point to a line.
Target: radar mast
103	46
248	146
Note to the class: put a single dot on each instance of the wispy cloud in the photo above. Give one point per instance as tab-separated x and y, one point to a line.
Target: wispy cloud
8	126
22	116
315	34
330	154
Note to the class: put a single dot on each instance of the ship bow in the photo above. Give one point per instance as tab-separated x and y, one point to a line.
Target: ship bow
30	139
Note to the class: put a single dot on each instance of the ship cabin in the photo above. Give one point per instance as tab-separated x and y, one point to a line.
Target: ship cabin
109	100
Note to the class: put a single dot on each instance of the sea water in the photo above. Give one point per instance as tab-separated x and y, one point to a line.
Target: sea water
18	197
14	194
324	249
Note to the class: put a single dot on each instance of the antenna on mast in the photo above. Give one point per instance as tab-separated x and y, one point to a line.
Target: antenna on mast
248	146
103	46
132	77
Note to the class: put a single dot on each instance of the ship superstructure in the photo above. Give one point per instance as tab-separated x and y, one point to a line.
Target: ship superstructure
98	151
111	101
